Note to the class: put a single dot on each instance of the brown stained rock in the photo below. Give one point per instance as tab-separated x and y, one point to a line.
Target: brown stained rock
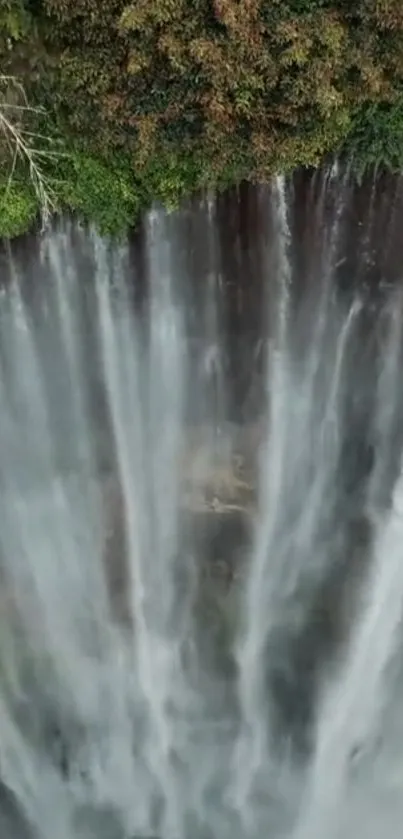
218	499
221	474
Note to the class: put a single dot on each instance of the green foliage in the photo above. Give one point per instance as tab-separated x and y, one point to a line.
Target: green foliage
14	20
376	137
153	99
102	191
18	208
169	176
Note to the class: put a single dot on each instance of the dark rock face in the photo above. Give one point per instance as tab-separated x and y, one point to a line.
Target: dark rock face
298	660
115	551
12	822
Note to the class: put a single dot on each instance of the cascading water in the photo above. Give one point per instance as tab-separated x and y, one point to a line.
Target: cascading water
159	678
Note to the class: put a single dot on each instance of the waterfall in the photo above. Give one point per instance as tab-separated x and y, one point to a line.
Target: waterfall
200	608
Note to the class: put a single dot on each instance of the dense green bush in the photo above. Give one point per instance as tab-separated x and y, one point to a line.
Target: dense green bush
152	100
101	191
376	137
18	208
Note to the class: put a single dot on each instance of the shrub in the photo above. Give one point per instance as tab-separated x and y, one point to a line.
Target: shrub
376	137
102	191
18	208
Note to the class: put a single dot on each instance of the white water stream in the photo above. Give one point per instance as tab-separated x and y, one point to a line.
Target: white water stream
118	718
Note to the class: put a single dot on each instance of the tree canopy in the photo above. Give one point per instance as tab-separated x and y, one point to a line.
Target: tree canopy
155	98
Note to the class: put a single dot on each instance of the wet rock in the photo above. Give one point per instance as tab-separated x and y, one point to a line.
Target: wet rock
221	541
13	824
218	497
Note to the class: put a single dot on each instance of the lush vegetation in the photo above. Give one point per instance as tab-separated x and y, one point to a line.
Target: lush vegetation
153	99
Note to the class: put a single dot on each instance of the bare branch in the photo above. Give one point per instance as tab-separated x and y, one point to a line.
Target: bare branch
21	143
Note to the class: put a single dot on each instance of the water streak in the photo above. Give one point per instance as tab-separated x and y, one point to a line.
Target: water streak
199	622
